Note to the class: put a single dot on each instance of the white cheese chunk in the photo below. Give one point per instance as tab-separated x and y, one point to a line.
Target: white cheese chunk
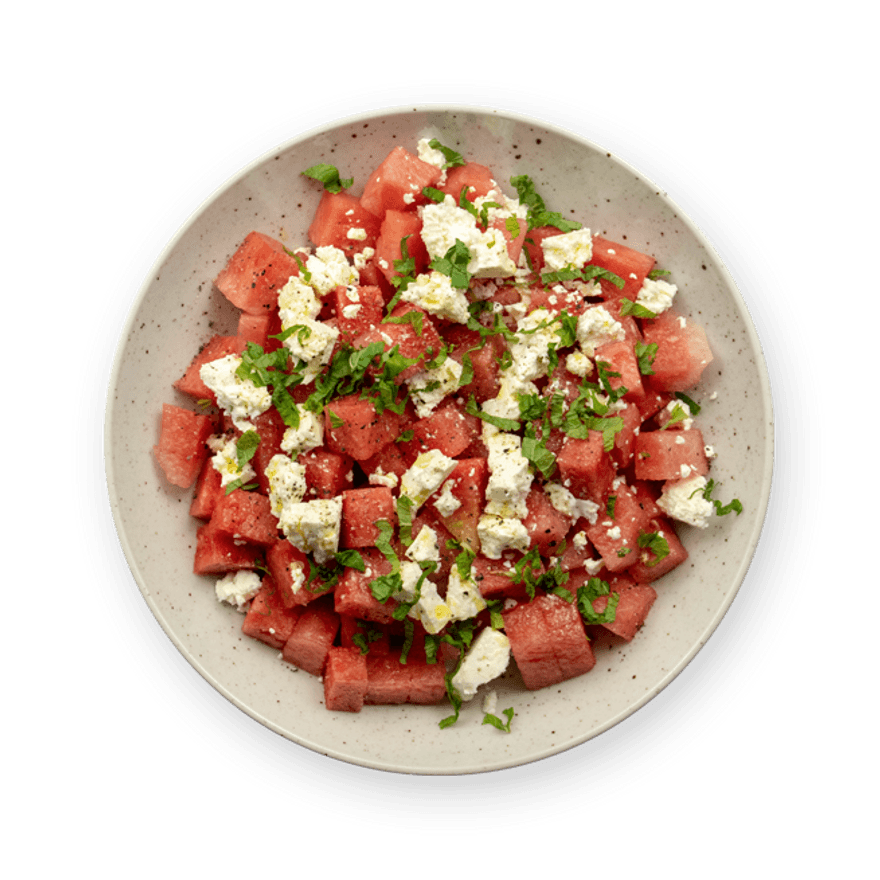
656	295
309	434
287	483
568	505
328	268
425	476
463	595
498	533
596	326
225	462
446	503
509	476
683	500
238	588
313	526
428	388
297	302
433	292
568	249
239	398
486	659
424	547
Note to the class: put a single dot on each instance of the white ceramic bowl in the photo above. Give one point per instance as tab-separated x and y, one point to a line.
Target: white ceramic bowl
178	307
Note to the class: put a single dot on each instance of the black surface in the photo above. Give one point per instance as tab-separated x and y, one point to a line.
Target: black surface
626	757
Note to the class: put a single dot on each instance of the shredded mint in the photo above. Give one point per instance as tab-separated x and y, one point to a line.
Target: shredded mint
329	176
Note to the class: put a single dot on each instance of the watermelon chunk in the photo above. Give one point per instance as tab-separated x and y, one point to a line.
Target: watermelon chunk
345	679
327	473
630	265
475	177
682	352
217	552
312	637
391	682
397	184
648	567
468	482
586	465
620	357
449	428
357	310
616	537
353	596
547	527
362	509
255	273
633	606
181	450
246	516
208	490
494	577
267	618
342	222
396	226
290	569
363	432
670	455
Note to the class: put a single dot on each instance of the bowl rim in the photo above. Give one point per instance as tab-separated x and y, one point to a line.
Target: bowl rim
766	390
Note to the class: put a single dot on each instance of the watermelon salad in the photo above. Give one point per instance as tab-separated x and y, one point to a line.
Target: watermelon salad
450	436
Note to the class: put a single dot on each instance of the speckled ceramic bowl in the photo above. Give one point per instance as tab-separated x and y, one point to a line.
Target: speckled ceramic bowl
178	307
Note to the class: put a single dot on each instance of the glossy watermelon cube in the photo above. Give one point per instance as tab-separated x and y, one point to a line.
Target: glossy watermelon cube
208	490
353	427
397	184
290	569
397	226
353	596
649	566
362	509
328	474
483	355
260	329
547	527
246	516
389	460
345	679
267	619
449	428
620	358
669	455
630	265
468	482
342	222
357	310
312	637
391	682
633	606
585	467
616	530
683	352
181	450
217	552
256	272
475	178
494	577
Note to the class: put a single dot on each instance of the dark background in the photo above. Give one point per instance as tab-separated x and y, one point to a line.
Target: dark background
109	112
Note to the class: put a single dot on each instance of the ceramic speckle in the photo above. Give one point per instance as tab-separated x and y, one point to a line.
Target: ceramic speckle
178	308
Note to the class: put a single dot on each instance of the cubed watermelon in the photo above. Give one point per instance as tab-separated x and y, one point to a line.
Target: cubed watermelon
630	265
312	637
218	552
468	482
633	605
256	272
475	178
181	450
495	577
353	596
397	184
345	679
449	428
341	221
669	455
682	352
391	682
327	473
246	516
649	566
208	490
620	358
546	526
397	226
587	466
267	618
616	531
362	509
357	310
353	427
291	570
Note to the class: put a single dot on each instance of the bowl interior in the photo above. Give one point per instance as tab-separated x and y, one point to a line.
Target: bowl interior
178	308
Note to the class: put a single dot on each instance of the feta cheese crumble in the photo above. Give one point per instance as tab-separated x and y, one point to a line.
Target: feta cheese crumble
568	249
656	295
486	659
239	398
595	327
683	500
425	476
238	588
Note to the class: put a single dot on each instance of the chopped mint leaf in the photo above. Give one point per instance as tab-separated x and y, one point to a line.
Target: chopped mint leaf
656	543
502	424
454	264
592	590
734	506
405	518
693	406
433	195
645	353
452	158
351	559
246	447
329	176
637	310
538	214
495	721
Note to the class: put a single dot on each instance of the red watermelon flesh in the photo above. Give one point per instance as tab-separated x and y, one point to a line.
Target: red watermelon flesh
397	184
345	679
312	637
181	450
342	222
